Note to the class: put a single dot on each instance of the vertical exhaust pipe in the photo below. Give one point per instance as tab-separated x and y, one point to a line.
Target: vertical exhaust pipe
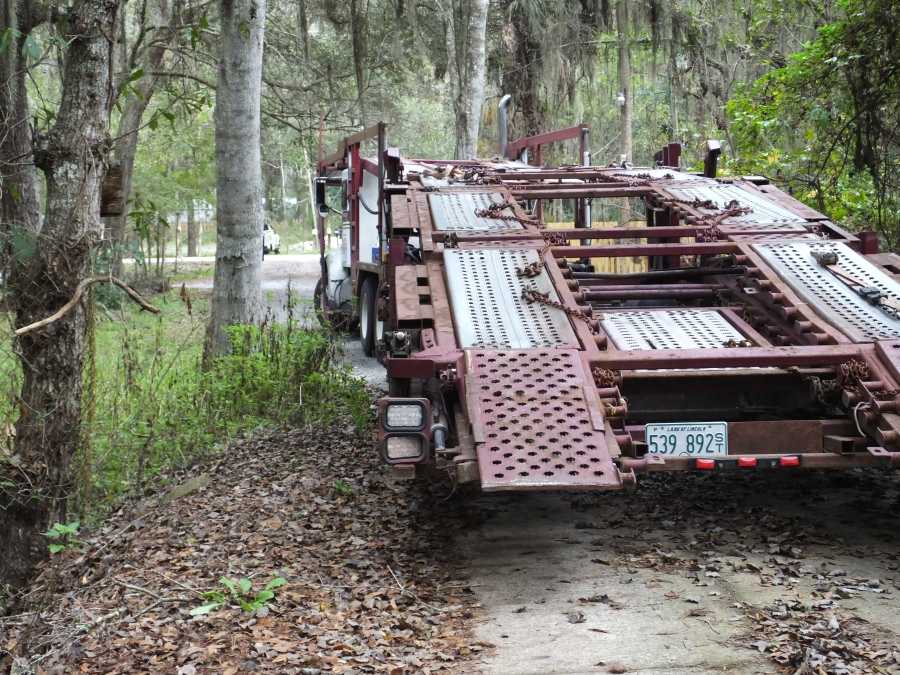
503	122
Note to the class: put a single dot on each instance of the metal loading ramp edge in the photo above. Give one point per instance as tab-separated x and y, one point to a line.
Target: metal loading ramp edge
533	424
833	299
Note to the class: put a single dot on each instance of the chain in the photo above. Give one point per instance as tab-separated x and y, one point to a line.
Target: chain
531	295
732	343
713	221
555	238
696	203
711	234
632	180
493	211
853	372
606	378
530	270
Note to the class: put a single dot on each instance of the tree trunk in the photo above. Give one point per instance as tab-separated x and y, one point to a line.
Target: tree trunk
159	17
624	57
237	296
192	232
21	515
522	72
468	38
358	35
45	271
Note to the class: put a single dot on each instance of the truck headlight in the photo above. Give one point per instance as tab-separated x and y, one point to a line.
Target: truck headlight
398	448
406	416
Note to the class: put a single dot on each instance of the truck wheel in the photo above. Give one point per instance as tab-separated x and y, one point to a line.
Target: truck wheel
368	318
317	305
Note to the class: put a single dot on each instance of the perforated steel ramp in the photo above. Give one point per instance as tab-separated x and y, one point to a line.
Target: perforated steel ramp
455	212
488	308
831	297
669	329
532	423
763	210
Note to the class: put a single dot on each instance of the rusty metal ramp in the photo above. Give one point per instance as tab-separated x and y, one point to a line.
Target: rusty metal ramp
489	311
670	329
456	212
537	421
838	291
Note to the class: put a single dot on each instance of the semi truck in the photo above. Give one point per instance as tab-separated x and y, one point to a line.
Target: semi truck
732	329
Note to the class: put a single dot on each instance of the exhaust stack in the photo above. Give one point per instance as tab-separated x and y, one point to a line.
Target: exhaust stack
503	122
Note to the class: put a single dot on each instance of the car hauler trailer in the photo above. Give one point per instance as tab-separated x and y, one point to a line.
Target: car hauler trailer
754	334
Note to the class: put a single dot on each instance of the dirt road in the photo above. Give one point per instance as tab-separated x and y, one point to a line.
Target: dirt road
298	272
686	574
693	574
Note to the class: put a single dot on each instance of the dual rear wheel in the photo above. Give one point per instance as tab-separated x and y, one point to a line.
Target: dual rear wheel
370	328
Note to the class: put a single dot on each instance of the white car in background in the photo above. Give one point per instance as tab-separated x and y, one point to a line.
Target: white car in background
271	240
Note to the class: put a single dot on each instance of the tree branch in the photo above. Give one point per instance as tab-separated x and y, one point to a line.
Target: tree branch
79	291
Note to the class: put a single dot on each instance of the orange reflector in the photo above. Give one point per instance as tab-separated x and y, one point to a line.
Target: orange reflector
706	464
747	462
789	461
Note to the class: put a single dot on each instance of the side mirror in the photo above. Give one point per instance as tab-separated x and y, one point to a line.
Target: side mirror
321	204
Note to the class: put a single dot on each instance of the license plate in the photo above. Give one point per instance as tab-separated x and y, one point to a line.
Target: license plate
687	439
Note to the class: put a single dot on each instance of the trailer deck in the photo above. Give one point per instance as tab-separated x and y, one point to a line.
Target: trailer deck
754	317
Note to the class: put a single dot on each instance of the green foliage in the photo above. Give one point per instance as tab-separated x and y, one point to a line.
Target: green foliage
238	592
826	121
157	409
62	537
343	488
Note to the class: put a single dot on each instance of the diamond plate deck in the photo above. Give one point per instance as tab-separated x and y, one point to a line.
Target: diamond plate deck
764	213
833	299
532	424
488	309
455	212
669	329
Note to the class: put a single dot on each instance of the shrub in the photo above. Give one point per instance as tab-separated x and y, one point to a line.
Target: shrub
155	408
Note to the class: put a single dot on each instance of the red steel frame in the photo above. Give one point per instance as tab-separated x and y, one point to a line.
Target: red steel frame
791	339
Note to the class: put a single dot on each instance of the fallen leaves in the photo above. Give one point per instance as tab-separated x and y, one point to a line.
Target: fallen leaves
575	616
371	584
602	598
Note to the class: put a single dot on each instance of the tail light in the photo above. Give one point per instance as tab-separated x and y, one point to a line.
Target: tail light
404	426
405	448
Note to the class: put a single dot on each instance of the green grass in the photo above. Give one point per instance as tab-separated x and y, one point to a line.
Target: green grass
191	274
150	408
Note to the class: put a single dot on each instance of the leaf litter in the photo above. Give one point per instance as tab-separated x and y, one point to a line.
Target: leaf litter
711	532
371	580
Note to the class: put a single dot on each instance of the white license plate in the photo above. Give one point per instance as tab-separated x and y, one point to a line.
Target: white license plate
687	439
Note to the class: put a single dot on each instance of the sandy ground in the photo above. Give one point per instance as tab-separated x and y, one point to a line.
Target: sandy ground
685	574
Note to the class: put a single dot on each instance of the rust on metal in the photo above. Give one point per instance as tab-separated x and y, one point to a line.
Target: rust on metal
552	348
533	429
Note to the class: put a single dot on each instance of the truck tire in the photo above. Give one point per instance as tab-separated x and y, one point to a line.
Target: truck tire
317	305
368	314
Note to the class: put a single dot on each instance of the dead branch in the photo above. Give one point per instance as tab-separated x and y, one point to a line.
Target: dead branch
76	298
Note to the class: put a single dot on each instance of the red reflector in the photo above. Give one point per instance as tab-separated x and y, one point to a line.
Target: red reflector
747	462
789	461
706	464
